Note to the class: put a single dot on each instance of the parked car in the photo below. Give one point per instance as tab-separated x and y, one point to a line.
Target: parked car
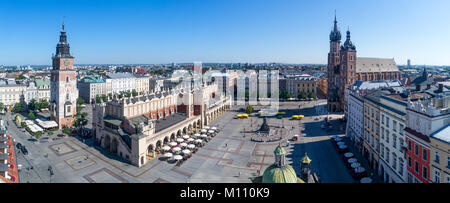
19	145
24	150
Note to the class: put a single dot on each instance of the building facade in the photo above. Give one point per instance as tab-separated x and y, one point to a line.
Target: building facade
90	87
424	118
392	140
440	152
64	92
296	85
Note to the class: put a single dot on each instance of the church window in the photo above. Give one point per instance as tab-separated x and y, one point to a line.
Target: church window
67	79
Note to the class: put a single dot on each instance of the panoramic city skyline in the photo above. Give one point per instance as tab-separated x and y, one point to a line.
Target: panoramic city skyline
154	32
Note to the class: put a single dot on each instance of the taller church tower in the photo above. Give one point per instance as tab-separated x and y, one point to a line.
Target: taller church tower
64	92
333	69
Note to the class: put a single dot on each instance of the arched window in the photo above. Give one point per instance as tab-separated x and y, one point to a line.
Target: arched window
67	79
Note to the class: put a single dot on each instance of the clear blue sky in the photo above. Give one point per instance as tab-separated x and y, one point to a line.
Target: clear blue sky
164	31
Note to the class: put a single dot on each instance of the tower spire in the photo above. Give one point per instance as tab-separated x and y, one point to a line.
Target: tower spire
63	23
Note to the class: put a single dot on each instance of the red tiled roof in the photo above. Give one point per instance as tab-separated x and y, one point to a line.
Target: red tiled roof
11	161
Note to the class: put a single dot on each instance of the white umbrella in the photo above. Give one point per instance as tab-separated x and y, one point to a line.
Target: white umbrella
206	127
211	131
360	170
180	139
191	146
186	151
177	157
337	139
198	140
342	146
356	165
213	128
196	134
185	136
203	135
204	131
173	144
168	154
183	144
166	148
366	180
190	139
352	160
176	149
341	143
348	154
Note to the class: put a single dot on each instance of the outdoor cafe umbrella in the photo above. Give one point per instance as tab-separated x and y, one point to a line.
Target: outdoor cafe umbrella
180	139
206	127
204	131
356	165
360	170
184	144
337	139
203	135
211	131
191	146
366	180
196	134
166	148
341	143
343	146
198	140
185	136
190	139
186	151
173	144
348	154
352	160
176	149
213	128
168	154
177	157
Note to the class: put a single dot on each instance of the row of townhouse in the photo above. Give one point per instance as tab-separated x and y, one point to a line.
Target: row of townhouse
13	92
114	83
394	132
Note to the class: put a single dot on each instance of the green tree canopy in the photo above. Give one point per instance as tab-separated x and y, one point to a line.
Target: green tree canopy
249	109
312	95
31	115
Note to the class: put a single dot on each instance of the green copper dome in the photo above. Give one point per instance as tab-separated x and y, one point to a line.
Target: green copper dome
275	174
279	151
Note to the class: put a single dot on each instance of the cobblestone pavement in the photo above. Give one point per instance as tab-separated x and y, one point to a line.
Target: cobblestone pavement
229	157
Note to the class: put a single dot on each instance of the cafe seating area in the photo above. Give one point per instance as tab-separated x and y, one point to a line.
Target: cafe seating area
353	165
182	148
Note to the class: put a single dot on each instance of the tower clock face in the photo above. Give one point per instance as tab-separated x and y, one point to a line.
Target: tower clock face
66	62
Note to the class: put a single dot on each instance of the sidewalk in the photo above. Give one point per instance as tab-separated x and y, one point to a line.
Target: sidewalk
357	154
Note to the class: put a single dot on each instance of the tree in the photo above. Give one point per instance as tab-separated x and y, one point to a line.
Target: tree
80	121
134	93
31	115
32	104
311	95
23	124
18	107
249	109
66	130
98	99
80	101
43	104
302	95
104	98
2	106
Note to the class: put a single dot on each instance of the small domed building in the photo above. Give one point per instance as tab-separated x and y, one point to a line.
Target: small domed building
281	172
